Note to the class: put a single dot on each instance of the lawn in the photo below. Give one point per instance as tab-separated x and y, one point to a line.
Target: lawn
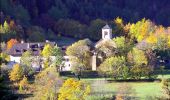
102	88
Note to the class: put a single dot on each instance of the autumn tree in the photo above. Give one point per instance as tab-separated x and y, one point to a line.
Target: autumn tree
6	27
139	63
141	29
16	73
46	53
23	84
11	43
80	52
74	90
47	82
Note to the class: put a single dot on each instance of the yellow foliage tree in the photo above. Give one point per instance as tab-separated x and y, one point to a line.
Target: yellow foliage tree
73	90
23	84
47	51
16	73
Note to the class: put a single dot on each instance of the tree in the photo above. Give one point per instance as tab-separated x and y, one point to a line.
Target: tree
115	67
47	82
141	29
26	58
122	47
11	43
23	84
80	52
26	62
6	27
47	51
16	73
57	52
74	90
139	63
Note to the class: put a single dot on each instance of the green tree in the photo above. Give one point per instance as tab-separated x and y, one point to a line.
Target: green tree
114	67
57	52
26	62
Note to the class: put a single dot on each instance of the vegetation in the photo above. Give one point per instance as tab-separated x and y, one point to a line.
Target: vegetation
74	90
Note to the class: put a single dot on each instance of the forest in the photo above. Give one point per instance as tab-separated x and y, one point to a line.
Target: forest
78	18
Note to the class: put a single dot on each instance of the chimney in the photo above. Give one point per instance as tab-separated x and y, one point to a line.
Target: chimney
22	41
28	45
47	41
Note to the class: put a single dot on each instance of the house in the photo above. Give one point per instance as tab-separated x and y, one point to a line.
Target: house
18	49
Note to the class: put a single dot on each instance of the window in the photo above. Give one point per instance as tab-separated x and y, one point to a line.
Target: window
105	33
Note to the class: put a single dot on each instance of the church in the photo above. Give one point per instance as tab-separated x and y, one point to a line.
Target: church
106	37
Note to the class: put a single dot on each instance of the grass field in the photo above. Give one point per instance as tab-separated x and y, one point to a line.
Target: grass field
101	88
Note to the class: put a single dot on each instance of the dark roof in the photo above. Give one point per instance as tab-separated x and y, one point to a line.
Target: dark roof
19	48
106	27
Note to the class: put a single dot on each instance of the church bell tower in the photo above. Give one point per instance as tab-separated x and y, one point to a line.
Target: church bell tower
106	32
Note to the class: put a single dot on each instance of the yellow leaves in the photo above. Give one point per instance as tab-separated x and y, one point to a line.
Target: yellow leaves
119	21
16	73
24	82
152	39
47	51
5	56
73	90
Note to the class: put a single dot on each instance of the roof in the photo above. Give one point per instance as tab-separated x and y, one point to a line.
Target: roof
106	27
19	48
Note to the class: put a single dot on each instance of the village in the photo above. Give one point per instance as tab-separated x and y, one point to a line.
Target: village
84	50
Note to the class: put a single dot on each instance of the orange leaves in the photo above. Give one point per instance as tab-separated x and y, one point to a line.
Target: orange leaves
11	43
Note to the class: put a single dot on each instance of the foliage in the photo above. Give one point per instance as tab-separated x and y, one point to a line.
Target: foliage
141	29
26	58
80	52
138	63
47	51
16	73
5	57
165	89
11	43
74	90
115	67
23	84
26	62
47	83
57	52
